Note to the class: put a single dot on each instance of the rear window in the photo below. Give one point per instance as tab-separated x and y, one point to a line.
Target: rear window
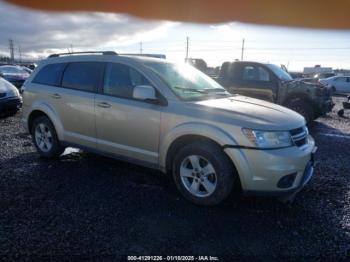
50	74
84	76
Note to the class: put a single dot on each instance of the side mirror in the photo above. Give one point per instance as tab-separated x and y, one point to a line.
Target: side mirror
145	93
1	74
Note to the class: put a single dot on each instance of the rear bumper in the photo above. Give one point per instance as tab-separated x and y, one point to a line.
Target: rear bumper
10	104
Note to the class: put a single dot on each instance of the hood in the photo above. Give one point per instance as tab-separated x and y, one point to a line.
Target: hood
8	88
253	113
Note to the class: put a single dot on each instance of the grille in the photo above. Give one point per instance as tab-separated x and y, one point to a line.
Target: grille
299	136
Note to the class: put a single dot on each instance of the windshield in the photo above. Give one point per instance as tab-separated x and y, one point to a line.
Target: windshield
281	74
187	82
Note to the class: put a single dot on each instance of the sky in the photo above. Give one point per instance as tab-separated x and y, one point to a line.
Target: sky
38	34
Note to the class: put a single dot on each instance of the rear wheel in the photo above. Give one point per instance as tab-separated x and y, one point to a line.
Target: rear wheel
203	173
45	138
302	107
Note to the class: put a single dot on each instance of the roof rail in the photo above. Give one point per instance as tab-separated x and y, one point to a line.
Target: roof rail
146	55
84	52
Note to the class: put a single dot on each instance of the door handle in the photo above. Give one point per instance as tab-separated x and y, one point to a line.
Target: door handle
56	96
104	105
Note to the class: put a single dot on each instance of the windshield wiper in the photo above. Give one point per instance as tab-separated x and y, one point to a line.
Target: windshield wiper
201	91
216	90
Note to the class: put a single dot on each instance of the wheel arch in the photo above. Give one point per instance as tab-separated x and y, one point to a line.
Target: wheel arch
182	140
45	110
187	133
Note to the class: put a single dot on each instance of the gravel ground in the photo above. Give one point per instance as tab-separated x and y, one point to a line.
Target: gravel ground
87	206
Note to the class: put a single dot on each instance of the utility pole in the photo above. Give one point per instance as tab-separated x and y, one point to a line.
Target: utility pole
20	54
12	54
187	46
141	48
70	49
242	53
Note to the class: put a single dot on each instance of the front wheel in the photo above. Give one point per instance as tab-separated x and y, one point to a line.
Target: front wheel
45	138
203	173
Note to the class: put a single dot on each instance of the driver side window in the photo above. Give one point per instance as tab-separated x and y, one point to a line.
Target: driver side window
120	80
255	73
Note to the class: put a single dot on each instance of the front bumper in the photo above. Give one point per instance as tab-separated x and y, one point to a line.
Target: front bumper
325	107
10	104
260	171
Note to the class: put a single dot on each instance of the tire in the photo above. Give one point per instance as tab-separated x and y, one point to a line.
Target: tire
45	139
302	107
341	112
221	174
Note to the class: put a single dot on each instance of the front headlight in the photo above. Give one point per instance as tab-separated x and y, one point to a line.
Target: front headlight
268	139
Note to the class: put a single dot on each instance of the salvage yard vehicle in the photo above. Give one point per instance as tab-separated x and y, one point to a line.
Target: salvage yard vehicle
16	75
10	99
269	82
338	84
169	117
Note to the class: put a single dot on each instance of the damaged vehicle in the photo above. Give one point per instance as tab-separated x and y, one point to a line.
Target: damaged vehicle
170	117
271	83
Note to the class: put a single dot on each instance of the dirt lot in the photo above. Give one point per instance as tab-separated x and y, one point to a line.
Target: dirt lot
86	206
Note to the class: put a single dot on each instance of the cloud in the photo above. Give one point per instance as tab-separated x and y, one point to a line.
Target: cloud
41	33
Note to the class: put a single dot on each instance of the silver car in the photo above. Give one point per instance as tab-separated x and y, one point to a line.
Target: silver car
338	84
169	117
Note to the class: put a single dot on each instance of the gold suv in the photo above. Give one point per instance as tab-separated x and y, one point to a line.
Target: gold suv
169	117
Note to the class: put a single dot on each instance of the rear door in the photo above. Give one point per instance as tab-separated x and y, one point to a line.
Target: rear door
347	88
341	84
74	101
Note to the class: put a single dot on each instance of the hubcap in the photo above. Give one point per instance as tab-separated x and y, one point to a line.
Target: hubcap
43	137
198	176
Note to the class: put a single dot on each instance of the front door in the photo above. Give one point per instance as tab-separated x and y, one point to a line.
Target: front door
255	81
125	126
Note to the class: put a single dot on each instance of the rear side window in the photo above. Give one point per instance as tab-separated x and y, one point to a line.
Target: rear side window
341	79
84	76
120	80
50	74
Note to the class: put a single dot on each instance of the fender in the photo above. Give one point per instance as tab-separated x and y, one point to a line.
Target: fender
41	105
194	128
